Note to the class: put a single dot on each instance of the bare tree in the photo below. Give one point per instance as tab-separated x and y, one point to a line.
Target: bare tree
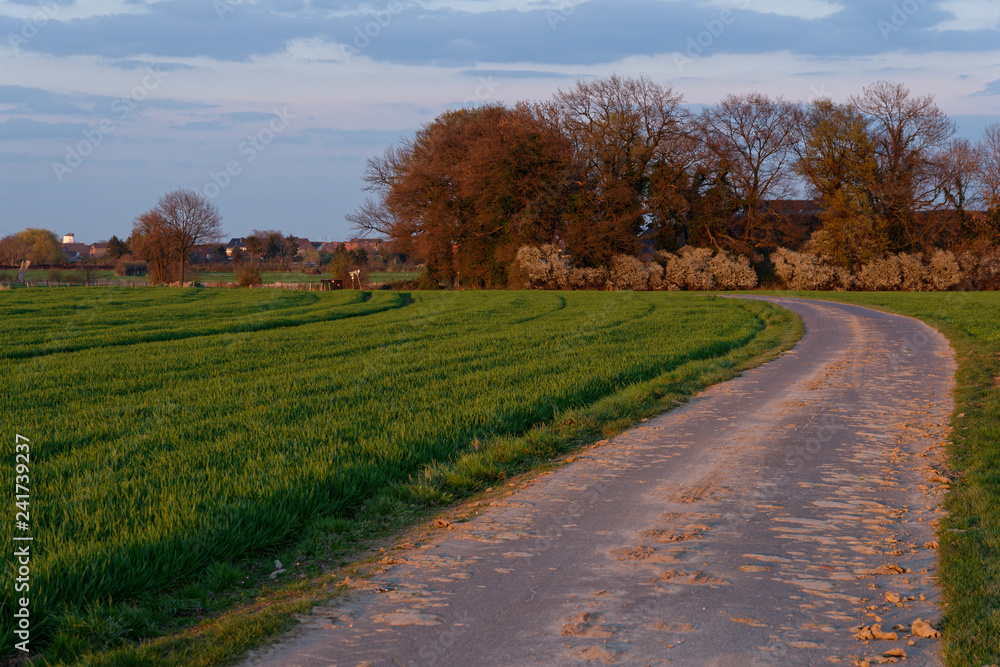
189	220
909	133
753	136
989	173
373	217
149	241
180	222
621	131
958	171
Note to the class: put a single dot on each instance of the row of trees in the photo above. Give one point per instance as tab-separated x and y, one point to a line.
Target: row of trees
612	161
267	246
183	220
164	237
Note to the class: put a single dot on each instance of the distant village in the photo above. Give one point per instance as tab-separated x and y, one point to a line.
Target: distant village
236	247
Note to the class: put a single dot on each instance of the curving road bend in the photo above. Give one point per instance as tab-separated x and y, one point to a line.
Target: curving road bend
764	523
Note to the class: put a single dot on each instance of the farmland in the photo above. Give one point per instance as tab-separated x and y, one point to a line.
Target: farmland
177	433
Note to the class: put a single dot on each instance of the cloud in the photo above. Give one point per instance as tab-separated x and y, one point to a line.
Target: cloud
517	74
337	138
23	100
135	64
204	125
810	10
317	49
464	34
26	100
69	11
248	116
992	88
186	28
25	129
970	15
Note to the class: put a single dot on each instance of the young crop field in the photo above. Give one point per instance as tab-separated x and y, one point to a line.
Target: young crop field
178	435
970	536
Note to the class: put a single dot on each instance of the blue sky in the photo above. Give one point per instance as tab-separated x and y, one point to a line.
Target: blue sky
272	108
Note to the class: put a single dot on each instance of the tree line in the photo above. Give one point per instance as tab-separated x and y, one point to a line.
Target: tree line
164	239
613	164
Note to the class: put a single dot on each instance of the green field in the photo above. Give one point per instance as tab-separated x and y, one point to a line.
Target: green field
970	536
180	438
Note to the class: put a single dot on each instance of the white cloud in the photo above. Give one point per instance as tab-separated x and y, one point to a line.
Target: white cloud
803	9
477	6
53	10
970	14
316	49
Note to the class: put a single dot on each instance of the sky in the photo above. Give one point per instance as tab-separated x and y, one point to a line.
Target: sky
271	108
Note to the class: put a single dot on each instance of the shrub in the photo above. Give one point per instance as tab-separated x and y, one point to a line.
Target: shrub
881	275
690	270
806	271
698	269
655	276
987	271
908	272
913	272
732	272
944	271
541	266
249	276
628	273
588	278
695	267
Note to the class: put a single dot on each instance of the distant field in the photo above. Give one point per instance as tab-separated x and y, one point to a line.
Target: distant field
375	277
175	433
386	276
66	275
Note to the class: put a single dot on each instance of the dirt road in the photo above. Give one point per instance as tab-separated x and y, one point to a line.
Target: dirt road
763	523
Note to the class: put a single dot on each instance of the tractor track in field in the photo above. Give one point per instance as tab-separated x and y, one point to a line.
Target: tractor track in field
786	517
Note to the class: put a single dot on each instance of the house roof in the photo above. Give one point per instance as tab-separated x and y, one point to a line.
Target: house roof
794	207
